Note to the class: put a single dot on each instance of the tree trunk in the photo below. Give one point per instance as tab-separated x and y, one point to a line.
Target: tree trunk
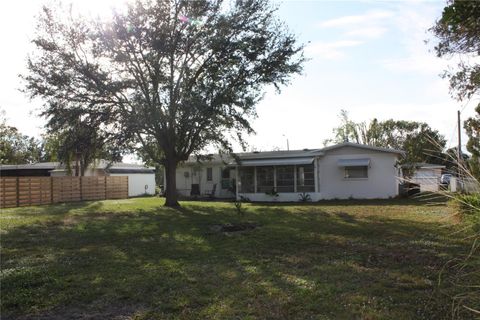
77	168
171	190
82	168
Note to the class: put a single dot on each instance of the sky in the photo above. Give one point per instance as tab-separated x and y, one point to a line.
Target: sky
367	57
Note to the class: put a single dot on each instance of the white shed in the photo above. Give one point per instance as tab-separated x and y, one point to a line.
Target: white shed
141	179
427	175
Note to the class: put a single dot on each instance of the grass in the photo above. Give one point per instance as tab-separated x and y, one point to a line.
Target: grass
135	259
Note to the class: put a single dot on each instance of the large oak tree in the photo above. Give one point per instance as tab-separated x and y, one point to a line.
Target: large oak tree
171	77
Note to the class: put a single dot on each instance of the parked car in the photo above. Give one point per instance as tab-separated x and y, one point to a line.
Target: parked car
445	179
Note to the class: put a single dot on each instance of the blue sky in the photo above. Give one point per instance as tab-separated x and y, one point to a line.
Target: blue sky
368	57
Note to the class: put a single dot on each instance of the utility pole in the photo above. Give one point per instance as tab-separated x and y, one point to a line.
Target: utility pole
288	145
459	151
459	154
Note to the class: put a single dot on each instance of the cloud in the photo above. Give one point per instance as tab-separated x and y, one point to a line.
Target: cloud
417	55
330	50
367	32
369	18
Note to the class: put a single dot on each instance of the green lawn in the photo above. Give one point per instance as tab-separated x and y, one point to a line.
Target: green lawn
137	259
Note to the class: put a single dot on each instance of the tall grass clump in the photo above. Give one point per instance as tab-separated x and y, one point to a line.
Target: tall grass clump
466	267
464	270
468	207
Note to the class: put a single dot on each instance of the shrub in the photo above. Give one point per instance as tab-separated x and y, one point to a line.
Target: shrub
467	204
238	208
304	197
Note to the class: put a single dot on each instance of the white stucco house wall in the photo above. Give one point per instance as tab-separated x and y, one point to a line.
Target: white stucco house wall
341	171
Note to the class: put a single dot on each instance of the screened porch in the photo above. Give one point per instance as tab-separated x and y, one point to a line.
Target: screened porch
281	176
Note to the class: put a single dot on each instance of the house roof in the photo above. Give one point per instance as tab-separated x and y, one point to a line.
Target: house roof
424	165
31	166
285	154
257	155
362	146
115	167
120	167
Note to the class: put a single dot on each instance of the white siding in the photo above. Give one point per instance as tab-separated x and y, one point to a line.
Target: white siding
139	183
427	178
381	183
198	174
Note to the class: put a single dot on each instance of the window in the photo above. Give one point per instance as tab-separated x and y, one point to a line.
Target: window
209	174
247	180
264	179
357	172
226	182
285	178
306	178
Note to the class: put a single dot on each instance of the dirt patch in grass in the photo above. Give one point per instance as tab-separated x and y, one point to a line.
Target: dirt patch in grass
230	228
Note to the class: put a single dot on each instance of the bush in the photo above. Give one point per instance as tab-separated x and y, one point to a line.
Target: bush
467	204
158	190
468	208
304	197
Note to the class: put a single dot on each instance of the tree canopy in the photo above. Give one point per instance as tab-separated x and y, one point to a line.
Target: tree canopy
17	148
458	32
420	142
170	77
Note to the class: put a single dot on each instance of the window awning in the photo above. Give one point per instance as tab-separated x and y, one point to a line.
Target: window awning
353	162
276	162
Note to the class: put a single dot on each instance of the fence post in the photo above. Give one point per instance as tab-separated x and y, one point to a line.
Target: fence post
29	191
105	177
18	192
81	192
51	189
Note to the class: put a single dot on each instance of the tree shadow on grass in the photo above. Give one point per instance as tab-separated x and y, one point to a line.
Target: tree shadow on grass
160	263
420	200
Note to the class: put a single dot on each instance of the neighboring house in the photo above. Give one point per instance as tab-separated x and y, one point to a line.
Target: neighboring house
141	179
427	175
341	171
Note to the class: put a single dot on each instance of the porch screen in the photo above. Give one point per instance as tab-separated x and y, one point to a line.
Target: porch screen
305	178
285	179
265	179
247	180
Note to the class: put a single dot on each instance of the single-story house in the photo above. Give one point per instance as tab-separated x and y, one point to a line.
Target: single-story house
427	175
342	171
141	179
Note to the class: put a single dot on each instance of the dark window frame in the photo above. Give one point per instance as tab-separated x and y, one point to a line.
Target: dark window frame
355	172
209	174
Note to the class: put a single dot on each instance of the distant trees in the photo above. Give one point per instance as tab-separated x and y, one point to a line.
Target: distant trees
472	126
170	77
458	32
69	144
17	148
420	142
79	142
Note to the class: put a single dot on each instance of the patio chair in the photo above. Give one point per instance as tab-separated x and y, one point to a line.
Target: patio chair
195	190
210	193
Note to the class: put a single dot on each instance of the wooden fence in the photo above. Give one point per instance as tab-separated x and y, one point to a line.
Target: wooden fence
28	191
